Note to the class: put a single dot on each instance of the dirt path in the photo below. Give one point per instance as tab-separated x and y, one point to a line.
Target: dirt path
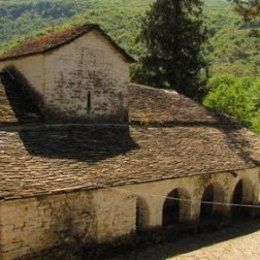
241	241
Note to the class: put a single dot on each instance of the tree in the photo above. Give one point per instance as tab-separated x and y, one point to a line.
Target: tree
238	97
173	34
249	9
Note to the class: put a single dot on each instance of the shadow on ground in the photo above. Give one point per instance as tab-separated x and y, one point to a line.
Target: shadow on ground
189	243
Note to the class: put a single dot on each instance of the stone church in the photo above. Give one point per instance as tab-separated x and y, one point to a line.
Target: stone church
88	157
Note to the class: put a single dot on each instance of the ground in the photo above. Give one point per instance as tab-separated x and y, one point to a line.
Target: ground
241	241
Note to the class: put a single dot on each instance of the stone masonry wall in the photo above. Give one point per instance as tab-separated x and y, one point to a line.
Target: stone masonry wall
69	221
87	66
1	233
115	214
35	225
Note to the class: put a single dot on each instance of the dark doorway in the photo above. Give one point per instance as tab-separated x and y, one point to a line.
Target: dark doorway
212	203
171	209
240	196
206	209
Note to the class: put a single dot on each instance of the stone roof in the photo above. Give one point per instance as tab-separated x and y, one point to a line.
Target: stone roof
167	107
165	141
55	39
48	161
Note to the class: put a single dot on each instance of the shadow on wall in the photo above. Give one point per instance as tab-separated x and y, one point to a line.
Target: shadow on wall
83	143
22	99
97	143
146	246
28	104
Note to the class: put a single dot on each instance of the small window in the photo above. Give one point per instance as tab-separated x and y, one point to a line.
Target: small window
89	102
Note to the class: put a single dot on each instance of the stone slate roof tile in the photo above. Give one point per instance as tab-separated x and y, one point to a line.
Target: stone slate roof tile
45	161
181	139
151	105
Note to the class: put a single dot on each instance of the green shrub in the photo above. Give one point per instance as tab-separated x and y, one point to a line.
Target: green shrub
238	97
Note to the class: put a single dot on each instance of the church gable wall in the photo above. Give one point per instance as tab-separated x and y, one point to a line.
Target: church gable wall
83	81
86	80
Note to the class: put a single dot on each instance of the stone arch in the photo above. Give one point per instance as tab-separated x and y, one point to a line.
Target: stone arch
142	214
176	211
212	193
243	193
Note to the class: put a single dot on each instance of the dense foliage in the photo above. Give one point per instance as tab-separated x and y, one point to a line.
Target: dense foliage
233	46
249	9
173	34
238	97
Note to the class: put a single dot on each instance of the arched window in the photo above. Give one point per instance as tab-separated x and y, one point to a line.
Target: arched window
243	194
89	102
208	210
176	207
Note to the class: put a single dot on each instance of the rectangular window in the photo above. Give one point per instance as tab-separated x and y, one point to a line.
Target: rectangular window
89	102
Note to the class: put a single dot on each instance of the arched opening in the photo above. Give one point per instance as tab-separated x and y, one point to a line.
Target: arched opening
243	194
213	193
176	208
142	214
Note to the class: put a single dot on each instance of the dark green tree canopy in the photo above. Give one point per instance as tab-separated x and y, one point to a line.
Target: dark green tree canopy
173	34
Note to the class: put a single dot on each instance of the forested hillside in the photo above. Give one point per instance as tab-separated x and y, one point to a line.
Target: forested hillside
230	49
232	46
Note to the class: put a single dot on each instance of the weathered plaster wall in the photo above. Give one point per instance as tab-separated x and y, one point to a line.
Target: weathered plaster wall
115	214
37	225
88	65
30	71
34	225
62	80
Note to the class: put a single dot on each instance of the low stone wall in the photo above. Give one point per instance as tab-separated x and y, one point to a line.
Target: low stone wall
36	225
33	225
68	222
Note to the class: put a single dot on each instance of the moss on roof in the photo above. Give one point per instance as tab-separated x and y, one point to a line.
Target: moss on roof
55	39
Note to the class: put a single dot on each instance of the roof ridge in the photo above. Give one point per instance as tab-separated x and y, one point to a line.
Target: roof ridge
55	39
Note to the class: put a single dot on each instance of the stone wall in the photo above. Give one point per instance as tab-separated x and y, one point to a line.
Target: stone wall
35	226
85	80
1	233
88	68
63	223
115	214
